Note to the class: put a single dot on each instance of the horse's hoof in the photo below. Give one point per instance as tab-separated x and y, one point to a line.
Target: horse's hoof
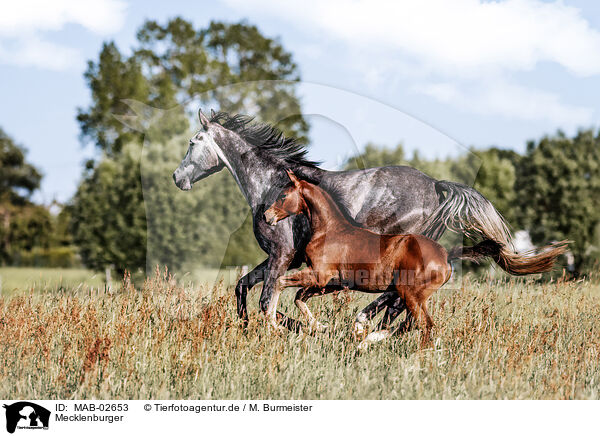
377	336
364	345
359	331
320	328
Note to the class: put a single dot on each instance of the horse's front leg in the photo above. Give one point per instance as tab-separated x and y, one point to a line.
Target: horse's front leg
278	263
248	281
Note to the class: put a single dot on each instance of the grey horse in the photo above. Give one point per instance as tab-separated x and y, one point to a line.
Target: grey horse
391	199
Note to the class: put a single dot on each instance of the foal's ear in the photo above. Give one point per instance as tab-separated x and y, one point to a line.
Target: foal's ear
212	113
293	177
203	120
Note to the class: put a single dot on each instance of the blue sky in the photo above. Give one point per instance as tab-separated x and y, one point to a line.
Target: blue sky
432	74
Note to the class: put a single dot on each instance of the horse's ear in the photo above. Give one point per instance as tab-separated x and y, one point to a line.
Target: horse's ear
292	177
203	120
212	113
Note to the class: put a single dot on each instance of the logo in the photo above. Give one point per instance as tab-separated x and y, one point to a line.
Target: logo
26	415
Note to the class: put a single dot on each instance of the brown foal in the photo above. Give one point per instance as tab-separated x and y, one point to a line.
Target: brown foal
343	254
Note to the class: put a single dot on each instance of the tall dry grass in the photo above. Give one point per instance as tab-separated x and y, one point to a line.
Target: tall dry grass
512	339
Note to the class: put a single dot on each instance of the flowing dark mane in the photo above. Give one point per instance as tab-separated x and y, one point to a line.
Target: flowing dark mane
265	137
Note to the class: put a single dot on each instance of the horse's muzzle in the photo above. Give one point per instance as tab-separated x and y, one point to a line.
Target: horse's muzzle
183	184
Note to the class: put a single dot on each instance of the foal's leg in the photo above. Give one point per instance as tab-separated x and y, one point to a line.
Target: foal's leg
302	297
417	309
303	278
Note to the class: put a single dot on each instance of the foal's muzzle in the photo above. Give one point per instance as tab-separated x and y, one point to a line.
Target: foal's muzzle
271	217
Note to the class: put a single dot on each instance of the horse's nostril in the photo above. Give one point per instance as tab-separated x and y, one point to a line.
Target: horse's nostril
174	178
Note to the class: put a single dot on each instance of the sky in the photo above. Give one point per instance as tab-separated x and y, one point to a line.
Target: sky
434	75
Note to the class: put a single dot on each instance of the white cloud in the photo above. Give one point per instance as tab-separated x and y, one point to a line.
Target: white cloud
27	16
32	51
22	24
462	36
508	100
444	92
449	43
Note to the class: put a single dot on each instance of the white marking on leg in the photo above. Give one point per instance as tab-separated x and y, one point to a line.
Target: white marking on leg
374	337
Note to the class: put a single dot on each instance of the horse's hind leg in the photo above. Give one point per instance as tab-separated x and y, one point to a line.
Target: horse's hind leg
371	311
393	310
302	297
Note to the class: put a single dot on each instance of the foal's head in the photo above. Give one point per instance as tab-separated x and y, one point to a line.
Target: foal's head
289	202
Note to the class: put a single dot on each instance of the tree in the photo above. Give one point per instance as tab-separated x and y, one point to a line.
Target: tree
18	179
171	64
376	156
109	223
23	224
175	62
558	186
110	80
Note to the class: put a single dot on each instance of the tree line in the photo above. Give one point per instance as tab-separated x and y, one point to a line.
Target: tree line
128	214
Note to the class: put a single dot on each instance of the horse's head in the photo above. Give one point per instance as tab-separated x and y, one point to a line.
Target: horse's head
289	202
201	159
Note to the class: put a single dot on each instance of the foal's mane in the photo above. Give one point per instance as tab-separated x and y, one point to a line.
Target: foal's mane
265	137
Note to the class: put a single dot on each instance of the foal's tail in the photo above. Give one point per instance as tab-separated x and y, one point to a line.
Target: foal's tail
511	262
466	211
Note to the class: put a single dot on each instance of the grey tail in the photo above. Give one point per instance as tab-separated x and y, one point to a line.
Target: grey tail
464	210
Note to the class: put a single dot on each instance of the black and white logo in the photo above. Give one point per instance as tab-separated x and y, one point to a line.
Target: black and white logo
26	415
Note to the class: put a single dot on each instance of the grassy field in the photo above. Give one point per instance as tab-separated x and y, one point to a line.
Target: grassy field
16	280
516	339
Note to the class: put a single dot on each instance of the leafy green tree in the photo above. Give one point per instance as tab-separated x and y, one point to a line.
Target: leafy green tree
110	80
23	224
175	62
558	186
171	64
109	222
18	179
376	156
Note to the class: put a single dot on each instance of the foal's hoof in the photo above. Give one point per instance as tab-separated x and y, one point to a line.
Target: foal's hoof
277	329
